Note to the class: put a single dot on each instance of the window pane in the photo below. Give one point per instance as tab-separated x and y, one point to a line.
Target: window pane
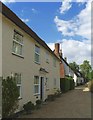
36	89
36	80
18	78
37	49
17	48
36	57
18	37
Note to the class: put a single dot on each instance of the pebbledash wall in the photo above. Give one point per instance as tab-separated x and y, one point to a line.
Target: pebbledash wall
26	65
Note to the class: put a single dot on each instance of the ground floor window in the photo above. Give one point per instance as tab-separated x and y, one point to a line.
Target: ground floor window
17	77
36	85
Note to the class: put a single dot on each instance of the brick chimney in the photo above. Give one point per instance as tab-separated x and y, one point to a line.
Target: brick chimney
57	48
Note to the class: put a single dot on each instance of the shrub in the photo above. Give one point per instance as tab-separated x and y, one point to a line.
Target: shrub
64	85
10	96
67	84
28	107
38	102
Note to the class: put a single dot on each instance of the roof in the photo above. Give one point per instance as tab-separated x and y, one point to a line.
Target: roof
15	19
70	67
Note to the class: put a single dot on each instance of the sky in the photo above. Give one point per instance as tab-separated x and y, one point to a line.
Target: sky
68	23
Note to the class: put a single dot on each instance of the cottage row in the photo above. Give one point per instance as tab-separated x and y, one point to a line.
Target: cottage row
25	56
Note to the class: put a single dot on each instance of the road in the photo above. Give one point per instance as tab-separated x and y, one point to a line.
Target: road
73	104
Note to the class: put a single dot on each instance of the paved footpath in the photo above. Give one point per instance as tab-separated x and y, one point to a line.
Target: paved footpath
73	104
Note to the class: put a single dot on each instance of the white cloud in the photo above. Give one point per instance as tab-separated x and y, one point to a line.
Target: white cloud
66	5
79	25
25	20
75	50
67	28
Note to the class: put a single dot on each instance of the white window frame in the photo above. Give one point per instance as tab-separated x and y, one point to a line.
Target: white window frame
37	85
19	43
19	85
36	53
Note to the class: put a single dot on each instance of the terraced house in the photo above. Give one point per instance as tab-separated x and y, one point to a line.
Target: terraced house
27	57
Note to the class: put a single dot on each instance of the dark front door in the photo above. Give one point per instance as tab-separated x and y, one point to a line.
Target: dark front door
42	89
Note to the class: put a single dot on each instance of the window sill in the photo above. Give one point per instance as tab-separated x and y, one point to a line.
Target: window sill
17	55
36	94
37	63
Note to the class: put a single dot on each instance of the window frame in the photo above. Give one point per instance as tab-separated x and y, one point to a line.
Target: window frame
19	43
19	84
36	53
37	85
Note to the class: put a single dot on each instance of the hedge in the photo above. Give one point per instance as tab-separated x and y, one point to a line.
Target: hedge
67	84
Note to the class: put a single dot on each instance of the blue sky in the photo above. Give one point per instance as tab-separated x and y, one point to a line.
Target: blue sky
66	22
41	17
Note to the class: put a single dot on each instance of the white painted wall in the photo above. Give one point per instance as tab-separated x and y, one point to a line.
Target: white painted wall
0	45
27	66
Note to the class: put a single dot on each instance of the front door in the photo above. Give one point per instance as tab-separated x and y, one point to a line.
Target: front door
42	89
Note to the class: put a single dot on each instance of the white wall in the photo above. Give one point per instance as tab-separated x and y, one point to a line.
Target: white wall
27	66
0	45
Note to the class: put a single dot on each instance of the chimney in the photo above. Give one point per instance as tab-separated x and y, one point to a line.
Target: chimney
57	48
65	59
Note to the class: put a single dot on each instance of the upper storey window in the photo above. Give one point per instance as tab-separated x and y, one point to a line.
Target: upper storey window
18	43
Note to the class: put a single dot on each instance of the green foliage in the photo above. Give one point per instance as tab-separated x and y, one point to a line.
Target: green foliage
74	66
28	107
67	84
90	75
10	96
85	69
38	102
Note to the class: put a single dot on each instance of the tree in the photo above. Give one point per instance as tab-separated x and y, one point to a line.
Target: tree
74	66
10	96
85	68
90	75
